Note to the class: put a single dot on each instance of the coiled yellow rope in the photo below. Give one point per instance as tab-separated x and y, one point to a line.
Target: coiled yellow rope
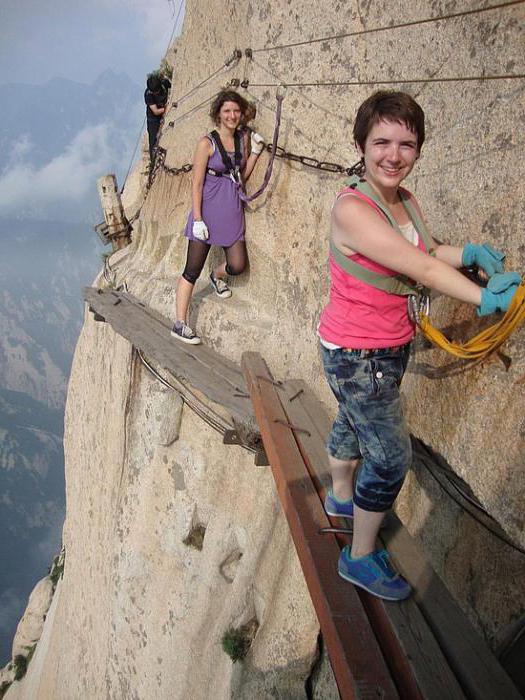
488	340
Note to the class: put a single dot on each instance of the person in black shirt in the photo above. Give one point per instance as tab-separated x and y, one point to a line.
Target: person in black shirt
155	97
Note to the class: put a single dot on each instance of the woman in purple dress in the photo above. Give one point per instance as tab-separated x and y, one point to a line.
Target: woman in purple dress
223	161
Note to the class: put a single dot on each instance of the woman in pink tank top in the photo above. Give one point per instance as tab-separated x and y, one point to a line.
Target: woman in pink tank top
365	330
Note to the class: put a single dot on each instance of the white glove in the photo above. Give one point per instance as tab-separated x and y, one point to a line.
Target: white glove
200	231
257	143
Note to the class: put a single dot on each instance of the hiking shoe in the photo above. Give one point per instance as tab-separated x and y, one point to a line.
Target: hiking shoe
221	288
374	573
339	509
183	332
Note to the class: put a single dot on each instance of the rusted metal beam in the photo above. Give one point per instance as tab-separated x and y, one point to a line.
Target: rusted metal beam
359	667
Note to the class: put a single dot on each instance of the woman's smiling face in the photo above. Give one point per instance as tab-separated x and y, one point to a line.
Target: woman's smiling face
391	149
230	115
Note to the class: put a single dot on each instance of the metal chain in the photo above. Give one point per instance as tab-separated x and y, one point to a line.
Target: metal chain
309	162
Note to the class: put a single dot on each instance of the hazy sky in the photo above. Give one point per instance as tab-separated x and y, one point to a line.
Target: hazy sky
78	39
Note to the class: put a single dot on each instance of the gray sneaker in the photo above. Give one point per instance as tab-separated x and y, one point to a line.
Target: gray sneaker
221	288
183	332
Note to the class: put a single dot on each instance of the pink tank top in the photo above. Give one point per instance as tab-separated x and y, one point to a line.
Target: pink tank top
361	316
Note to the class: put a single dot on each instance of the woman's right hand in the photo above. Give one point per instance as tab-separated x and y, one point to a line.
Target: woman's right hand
484	256
200	231
498	293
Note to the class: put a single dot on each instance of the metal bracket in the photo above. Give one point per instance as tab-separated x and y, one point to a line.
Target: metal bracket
292	426
231	437
297	393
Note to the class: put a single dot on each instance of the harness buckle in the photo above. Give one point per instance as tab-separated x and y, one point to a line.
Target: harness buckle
418	305
235	176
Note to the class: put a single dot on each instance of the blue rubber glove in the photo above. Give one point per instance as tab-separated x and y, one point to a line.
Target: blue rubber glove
484	256
498	293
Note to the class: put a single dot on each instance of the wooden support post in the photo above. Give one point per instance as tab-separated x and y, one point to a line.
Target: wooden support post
118	227
356	659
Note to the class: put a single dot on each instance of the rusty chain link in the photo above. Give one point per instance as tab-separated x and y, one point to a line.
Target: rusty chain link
312	162
309	162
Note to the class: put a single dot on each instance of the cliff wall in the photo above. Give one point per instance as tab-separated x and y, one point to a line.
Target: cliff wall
140	613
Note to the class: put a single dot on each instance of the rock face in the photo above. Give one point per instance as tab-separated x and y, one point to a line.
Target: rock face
32	623
141	613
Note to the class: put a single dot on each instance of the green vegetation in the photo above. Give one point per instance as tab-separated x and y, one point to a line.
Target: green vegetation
56	570
166	69
196	537
20	665
30	652
3	688
236	642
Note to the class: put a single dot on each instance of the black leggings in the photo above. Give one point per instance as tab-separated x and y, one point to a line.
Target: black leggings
236	259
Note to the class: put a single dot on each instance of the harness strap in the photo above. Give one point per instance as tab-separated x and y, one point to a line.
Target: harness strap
393	284
230	167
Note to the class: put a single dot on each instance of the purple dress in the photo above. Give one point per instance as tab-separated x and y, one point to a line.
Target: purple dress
222	208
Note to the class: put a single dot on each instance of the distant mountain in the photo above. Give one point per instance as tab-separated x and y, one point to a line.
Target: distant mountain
55	141
50	115
31	501
43	267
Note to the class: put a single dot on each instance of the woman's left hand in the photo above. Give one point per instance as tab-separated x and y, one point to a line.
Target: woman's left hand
257	142
484	256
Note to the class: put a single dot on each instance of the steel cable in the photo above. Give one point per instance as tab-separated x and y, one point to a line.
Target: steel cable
400	25
208	415
399	81
502	536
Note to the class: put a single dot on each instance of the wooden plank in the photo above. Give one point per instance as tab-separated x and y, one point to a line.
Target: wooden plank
356	659
200	367
414	657
229	370
479	673
477	669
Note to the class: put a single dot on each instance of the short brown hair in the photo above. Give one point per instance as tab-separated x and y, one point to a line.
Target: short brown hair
229	96
388	105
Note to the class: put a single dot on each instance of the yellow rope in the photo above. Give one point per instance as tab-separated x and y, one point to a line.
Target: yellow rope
488	340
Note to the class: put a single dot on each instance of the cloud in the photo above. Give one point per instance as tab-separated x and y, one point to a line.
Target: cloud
155	19
69	177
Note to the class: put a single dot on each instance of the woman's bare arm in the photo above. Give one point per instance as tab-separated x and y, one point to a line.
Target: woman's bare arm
361	229
252	158
449	254
203	151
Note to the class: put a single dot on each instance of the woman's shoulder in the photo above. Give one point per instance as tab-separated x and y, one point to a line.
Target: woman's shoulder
206	143
409	197
351	200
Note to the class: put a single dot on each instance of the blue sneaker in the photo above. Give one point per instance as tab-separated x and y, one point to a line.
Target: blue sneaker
374	573
339	509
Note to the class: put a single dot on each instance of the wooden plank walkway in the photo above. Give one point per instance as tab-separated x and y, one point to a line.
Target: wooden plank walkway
422	648
218	379
430	646
358	665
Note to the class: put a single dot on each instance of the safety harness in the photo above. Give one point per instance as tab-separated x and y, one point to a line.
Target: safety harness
479	347
418	296
233	170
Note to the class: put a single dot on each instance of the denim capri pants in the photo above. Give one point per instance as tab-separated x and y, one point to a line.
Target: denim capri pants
369	424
